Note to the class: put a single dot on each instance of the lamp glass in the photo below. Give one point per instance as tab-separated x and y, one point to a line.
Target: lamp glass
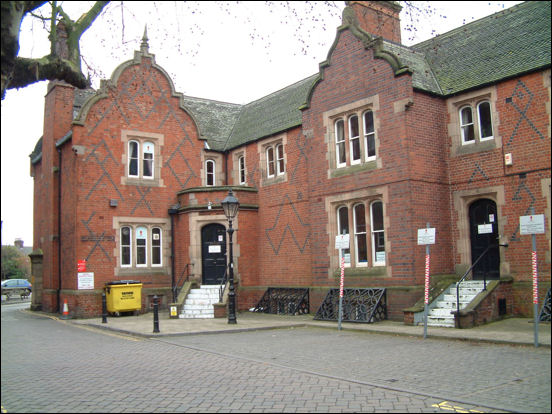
230	205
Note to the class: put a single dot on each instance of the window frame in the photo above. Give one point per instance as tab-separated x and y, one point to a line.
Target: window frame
145	249
280	160
242	177
211	174
340	144
150	161
488	138
340	231
375	233
360	234
354	140
470	125
132	159
127	246
367	135
156	245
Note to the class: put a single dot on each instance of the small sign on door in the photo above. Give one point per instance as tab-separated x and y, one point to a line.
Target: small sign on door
215	248
484	228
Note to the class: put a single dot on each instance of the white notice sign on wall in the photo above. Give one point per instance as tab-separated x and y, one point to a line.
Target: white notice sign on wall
531	224
342	241
426	236
86	280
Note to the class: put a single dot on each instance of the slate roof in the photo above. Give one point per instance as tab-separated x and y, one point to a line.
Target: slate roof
503	45
215	119
500	46
270	115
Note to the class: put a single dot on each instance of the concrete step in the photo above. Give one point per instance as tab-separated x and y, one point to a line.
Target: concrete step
463	298
441	312
447	322
199	302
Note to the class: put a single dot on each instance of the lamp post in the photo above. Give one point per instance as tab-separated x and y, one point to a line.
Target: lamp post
230	205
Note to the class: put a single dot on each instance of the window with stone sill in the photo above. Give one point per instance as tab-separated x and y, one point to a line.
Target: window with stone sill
140	247
142	158
476	122
359	138
364	251
241	170
275	160
210	173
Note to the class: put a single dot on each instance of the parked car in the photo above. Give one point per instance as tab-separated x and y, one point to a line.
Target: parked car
21	287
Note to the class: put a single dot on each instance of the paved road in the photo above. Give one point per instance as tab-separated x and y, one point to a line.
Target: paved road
51	366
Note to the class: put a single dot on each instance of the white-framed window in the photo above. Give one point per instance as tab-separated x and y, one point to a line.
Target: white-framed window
476	125
209	173
141	246
141	154
241	170
142	158
126	246
378	233
341	155
485	120
367	244
156	243
270	162
133	159
355	144
361	247
148	155
466	125
280	162
343	228
369	135
354	140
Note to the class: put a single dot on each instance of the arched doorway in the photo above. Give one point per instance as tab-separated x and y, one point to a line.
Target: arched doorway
213	253
484	233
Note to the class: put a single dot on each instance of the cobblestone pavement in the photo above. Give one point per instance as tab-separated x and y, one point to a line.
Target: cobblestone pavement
503	376
53	366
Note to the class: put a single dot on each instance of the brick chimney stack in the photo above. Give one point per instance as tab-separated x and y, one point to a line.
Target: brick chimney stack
379	18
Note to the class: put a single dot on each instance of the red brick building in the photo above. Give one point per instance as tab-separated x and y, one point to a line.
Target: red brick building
454	132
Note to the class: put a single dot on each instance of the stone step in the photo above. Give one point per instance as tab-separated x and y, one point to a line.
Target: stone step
449	304
190	306
199	302
447	322
463	298
201	295
440	312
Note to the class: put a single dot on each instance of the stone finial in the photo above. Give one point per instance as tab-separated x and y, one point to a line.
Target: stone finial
144	47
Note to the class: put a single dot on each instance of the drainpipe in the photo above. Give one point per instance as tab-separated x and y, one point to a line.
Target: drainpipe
172	212
59	232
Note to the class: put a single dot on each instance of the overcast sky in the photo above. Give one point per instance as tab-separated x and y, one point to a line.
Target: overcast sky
234	52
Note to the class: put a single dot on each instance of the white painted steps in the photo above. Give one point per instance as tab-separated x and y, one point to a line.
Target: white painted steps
440	314
199	302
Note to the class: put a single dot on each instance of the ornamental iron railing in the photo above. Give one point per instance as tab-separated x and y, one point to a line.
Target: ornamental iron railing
284	301
359	305
544	315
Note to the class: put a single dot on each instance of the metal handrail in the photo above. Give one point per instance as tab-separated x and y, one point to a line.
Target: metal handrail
223	283
176	288
469	270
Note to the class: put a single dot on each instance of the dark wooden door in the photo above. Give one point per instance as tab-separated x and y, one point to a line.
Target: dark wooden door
213	252
484	233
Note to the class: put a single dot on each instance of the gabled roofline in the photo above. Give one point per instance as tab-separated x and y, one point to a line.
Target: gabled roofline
350	22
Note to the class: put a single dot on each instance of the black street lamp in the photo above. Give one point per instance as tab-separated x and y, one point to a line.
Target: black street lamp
231	205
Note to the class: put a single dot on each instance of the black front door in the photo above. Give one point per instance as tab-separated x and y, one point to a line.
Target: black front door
213	253
484	233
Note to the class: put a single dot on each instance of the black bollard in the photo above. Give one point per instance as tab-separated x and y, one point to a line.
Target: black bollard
155	314
104	308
